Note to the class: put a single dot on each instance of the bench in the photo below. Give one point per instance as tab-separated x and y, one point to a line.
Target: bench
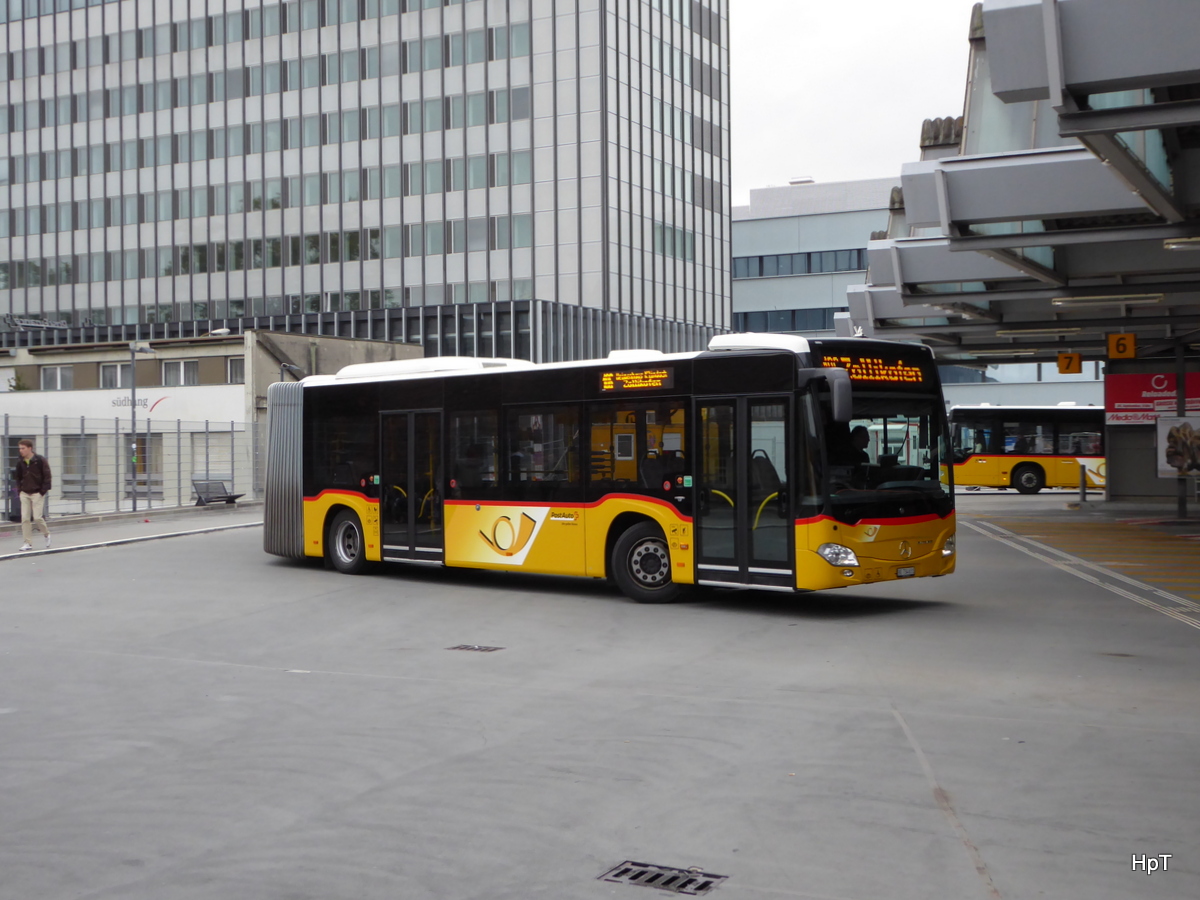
213	492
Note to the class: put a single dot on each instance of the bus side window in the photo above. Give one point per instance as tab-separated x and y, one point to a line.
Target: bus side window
543	454
343	449
664	460
1028	438
610	447
473	437
808	448
973	437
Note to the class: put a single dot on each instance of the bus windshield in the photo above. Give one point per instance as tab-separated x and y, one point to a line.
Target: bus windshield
891	460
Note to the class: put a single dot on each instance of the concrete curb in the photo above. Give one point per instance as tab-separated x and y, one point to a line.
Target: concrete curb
127	515
28	554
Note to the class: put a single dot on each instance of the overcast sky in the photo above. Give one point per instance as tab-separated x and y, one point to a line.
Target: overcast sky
837	89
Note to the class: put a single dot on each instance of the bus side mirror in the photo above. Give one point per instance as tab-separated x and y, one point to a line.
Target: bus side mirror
839	390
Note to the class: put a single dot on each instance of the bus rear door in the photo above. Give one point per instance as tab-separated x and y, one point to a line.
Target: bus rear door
744	529
411	513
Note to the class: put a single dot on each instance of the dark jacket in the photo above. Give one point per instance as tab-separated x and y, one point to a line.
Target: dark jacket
32	477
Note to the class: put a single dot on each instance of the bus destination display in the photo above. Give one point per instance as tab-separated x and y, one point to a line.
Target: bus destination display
637	380
876	369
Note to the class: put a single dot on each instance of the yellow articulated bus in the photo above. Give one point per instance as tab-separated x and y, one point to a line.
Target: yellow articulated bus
767	461
1028	447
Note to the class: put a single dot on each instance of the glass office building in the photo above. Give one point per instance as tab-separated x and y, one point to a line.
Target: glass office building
543	178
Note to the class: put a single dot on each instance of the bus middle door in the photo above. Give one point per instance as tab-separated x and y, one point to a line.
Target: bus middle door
744	528
410	492
976	465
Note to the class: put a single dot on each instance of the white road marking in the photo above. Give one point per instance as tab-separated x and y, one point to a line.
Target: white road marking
1071	564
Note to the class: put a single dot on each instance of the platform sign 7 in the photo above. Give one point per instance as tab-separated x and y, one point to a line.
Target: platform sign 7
1070	363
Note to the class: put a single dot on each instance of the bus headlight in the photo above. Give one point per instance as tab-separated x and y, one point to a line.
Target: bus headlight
948	547
837	555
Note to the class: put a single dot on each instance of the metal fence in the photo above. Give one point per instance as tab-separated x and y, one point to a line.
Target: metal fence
99	465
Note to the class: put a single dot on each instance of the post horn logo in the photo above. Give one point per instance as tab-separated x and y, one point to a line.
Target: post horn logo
507	539
905	549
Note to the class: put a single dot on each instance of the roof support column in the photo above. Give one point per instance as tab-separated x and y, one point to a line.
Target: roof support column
1106	147
1129	168
1181	411
1026	266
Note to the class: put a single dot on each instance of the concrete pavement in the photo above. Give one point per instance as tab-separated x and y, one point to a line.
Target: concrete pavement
191	718
1140	545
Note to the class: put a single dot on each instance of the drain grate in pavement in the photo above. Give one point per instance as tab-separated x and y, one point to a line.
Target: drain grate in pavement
476	647
691	882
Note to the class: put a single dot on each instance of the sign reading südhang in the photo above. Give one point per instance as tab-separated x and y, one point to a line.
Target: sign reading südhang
1140	398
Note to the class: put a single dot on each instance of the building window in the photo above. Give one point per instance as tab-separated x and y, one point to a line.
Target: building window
114	375
180	371
58	378
236	372
147	472
799	263
801	320
79	469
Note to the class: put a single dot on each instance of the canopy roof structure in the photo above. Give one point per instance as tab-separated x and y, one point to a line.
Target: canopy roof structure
1073	208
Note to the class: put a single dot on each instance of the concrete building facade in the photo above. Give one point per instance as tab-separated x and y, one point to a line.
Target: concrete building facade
798	248
539	178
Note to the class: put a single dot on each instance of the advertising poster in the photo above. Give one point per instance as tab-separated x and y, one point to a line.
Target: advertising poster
1178	447
1141	398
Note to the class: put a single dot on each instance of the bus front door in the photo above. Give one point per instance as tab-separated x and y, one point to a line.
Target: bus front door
744	529
980	470
411	513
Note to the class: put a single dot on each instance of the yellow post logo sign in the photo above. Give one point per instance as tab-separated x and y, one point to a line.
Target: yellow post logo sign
1070	363
547	539
508	540
1122	346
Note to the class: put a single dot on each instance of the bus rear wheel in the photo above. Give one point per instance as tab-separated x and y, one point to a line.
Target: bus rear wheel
346	549
641	565
1029	479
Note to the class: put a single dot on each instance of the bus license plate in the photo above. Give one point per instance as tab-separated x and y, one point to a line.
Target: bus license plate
906	572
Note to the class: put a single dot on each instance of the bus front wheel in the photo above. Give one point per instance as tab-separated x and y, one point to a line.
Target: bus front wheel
346	548
641	565
1029	479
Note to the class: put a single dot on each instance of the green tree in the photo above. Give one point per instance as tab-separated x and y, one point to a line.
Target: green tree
17	383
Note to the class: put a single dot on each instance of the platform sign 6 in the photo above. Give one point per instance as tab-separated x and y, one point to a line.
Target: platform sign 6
1070	363
1122	346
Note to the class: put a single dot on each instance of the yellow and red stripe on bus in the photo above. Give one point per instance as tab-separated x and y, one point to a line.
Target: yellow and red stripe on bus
572	538
995	470
316	514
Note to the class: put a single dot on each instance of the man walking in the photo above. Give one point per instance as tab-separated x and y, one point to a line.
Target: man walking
32	476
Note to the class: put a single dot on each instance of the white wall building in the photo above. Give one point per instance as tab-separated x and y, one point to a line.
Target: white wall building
200	411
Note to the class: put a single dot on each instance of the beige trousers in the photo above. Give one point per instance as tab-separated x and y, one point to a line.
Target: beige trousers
31	514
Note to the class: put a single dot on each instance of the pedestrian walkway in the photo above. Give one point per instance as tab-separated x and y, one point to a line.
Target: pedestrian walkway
84	532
